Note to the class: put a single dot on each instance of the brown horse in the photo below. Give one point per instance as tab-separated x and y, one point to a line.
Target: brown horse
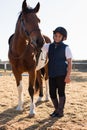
24	51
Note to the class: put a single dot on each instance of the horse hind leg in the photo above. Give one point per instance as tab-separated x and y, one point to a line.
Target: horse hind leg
47	98
47	83
39	83
18	78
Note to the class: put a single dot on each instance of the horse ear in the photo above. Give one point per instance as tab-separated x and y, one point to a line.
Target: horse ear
24	5
36	9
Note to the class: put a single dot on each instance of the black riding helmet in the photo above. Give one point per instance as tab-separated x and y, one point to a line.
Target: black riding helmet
62	31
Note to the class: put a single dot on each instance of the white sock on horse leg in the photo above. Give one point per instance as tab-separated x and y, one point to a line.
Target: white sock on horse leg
39	99
47	89
32	107
20	97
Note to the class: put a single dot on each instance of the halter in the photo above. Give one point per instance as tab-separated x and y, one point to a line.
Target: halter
28	36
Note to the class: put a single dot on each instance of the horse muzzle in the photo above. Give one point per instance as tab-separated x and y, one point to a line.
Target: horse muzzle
38	43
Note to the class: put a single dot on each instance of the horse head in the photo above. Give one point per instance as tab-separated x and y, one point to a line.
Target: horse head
30	25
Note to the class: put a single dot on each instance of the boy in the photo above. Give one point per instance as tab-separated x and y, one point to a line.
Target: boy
59	69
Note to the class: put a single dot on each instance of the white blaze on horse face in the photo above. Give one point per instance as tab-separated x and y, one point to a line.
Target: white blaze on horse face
33	54
20	97
32	107
27	42
47	89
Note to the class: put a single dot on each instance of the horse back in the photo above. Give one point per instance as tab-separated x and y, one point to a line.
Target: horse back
47	39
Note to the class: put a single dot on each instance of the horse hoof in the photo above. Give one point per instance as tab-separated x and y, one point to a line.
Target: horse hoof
47	99
19	108
31	115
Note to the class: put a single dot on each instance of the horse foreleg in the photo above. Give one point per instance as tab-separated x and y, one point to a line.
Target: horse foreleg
18	78
20	96
32	78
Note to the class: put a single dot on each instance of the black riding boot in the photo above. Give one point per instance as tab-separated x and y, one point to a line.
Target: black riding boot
61	106
55	103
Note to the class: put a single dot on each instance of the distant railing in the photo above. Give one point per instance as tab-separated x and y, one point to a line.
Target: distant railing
5	66
75	65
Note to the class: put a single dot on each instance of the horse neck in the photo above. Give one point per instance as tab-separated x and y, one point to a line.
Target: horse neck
19	43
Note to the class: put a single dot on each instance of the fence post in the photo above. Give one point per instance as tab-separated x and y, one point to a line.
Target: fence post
5	67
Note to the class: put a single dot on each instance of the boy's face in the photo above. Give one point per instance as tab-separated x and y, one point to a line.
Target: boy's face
57	37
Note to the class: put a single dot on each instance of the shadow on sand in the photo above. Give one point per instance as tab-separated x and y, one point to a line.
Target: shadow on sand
10	114
44	124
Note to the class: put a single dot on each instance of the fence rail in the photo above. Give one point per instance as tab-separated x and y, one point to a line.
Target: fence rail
75	65
5	66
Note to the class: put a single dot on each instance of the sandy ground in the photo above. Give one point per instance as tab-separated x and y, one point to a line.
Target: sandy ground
75	117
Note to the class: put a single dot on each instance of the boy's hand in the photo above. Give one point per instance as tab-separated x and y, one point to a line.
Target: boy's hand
67	79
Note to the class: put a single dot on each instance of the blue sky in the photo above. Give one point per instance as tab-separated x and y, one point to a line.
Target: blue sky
71	14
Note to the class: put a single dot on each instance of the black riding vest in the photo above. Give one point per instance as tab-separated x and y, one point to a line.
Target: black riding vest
57	65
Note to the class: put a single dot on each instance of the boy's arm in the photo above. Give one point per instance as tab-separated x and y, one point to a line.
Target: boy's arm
68	54
69	68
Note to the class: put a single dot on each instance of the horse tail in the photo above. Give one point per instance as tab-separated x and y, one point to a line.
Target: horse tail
9	40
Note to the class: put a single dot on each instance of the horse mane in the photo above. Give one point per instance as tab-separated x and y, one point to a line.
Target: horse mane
9	40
